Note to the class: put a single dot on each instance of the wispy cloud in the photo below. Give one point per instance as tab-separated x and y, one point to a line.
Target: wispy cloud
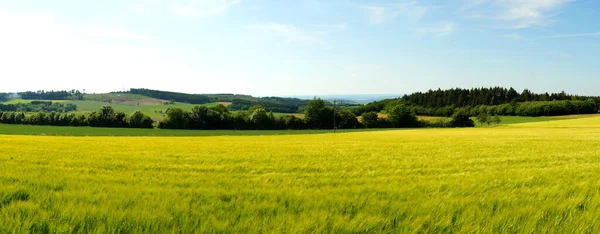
114	34
514	36
516	13
495	61
205	8
595	34
332	27
289	33
527	13
378	14
437	29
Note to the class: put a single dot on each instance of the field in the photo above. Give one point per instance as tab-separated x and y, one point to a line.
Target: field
124	99
532	177
9	129
150	110
147	106
127	103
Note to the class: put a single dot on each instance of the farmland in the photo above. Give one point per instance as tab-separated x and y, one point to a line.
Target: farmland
149	107
515	178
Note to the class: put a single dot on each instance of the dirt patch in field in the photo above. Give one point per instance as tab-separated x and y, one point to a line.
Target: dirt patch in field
429	117
226	104
141	102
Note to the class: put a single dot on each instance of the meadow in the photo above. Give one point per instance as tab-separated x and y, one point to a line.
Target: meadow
532	177
150	107
35	130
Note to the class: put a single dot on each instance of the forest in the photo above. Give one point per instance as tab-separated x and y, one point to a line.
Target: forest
39	106
495	101
52	95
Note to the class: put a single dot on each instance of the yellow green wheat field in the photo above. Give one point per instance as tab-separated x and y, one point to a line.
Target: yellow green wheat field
536	177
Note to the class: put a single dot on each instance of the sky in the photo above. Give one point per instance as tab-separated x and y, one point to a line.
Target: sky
299	47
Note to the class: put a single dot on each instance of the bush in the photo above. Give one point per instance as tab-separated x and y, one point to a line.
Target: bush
138	120
461	119
369	119
401	117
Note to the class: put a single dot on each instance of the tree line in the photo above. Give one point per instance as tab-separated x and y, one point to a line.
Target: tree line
39	106
4	97
505	102
105	117
238	102
178	97
485	96
317	115
531	109
51	95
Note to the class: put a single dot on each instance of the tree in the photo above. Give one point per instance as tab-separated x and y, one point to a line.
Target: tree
496	119
292	122
401	117
483	118
254	108
138	120
346	119
369	119
261	119
461	119
176	119
107	117
317	115
198	116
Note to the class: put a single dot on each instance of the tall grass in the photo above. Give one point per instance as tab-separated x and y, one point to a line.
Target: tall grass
536	177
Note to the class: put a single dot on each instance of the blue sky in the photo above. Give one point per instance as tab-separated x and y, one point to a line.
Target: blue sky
301	47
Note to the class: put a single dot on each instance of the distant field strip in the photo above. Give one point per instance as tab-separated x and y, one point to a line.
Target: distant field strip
533	177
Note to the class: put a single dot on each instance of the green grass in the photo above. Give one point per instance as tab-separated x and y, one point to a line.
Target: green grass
124	99
11	129
521	178
17	101
523	119
150	110
86	106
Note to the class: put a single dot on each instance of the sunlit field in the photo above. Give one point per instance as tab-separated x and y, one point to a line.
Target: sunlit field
531	177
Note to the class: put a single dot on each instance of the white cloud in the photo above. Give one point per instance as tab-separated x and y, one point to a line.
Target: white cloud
527	13
205	8
289	33
412	10
514	36
39	52
516	13
114	34
332	27
437	29
576	35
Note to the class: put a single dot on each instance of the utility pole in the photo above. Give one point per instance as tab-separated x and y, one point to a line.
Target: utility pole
334	115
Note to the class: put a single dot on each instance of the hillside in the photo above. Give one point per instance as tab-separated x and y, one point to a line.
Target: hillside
238	102
147	106
124	99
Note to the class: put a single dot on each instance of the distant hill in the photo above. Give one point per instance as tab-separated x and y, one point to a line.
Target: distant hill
356	98
238	102
124	99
